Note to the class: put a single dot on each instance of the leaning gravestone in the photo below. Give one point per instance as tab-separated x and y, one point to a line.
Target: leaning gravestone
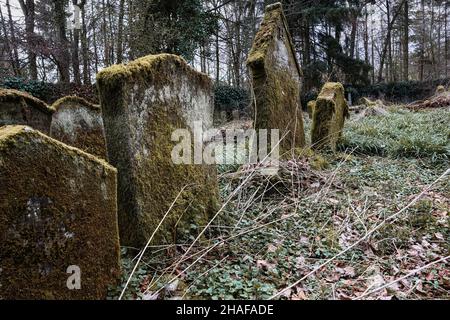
143	103
276	79
58	214
79	123
18	107
329	116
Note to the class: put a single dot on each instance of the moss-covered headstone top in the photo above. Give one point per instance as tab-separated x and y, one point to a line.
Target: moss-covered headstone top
274	29
20	108
148	70
16	96
276	78
79	123
74	101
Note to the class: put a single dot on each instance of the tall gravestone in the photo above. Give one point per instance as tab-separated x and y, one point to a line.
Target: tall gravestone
21	108
79	123
58	219
329	115
143	103
276	79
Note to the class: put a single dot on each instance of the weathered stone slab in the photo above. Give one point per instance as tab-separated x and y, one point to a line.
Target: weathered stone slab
58	212
142	103
440	89
78	123
276	79
17	107
310	108
329	116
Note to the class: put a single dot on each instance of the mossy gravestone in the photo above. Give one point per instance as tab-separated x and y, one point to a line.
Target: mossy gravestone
18	107
276	79
79	123
58	214
143	103
310	108
329	116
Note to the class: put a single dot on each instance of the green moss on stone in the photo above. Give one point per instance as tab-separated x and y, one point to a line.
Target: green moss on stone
9	135
310	108
16	96
440	89
329	116
144	69
138	133
19	108
83	128
58	209
276	88
74	100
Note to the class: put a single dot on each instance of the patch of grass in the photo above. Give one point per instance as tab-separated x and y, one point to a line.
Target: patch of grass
401	134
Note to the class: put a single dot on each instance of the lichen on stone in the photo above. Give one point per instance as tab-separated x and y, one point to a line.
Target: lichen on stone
12	95
142	103
20	108
310	108
440	89
58	209
144	69
276	80
74	100
79	123
329	116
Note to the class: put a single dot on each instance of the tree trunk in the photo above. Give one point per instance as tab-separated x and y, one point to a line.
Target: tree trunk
106	53
422	45
353	34
366	37
85	49
119	53
388	40
76	41
432	43
111	32
306	43
131	30
7	44
62	54
446	41
406	42
29	14
16	63
217	59
372	46
94	41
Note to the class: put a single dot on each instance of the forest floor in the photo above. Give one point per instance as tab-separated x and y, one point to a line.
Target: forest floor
368	222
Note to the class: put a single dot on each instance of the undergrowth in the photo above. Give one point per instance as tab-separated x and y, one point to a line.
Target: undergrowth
401	134
273	232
